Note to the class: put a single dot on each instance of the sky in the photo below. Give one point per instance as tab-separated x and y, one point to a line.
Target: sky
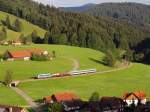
72	3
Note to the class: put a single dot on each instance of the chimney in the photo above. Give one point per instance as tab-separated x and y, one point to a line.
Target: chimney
10	109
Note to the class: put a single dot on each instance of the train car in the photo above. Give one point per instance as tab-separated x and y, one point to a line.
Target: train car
43	76
92	70
80	72
61	74
56	75
75	73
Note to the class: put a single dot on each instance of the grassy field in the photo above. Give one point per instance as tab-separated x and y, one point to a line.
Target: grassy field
26	69
7	96
27	27
108	84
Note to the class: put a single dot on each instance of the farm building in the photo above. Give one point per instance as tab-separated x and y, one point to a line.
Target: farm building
74	105
60	97
16	42
112	103
14	83
24	54
135	98
18	55
7	108
4	42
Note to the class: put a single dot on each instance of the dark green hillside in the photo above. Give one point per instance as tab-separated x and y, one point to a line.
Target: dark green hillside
76	29
138	14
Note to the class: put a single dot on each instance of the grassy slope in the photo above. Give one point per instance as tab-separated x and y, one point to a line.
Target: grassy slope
111	84
27	27
11	34
7	96
27	69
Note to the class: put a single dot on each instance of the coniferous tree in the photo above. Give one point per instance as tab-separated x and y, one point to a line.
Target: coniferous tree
109	59
7	22
46	38
73	39
8	77
17	26
3	34
34	36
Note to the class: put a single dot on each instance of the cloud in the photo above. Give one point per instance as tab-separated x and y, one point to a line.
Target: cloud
67	3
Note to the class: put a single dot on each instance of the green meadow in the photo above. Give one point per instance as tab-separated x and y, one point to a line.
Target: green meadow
109	84
87	58
8	96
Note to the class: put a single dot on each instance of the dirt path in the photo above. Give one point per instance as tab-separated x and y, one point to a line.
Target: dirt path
28	99
76	64
114	70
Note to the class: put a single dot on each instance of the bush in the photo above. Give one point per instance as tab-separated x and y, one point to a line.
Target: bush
55	107
94	97
5	56
37	57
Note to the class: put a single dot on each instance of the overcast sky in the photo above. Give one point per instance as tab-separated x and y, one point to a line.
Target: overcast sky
70	3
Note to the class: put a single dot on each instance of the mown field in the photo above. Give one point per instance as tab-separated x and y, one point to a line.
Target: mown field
8	96
27	28
108	84
27	69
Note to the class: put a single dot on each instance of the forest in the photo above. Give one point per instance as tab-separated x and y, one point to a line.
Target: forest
83	30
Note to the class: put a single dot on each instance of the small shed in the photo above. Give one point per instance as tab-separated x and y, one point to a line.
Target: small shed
14	83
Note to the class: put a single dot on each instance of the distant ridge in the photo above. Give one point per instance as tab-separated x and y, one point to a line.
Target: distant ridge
78	8
135	13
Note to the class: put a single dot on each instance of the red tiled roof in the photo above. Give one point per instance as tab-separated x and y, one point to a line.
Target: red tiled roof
137	94
25	53
62	97
140	94
20	54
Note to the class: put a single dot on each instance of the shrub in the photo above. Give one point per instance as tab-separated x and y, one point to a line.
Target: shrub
37	57
94	97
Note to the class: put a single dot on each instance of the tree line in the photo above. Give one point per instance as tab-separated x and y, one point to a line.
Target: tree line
100	33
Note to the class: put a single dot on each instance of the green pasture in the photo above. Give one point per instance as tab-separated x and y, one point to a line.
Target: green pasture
87	58
109	84
8	96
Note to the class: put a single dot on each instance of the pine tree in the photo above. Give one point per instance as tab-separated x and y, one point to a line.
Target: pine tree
3	34
73	39
7	22
17	25
8	77
110	59
34	36
46	38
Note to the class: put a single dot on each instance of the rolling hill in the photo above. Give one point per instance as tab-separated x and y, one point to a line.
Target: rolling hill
24	70
62	63
26	30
